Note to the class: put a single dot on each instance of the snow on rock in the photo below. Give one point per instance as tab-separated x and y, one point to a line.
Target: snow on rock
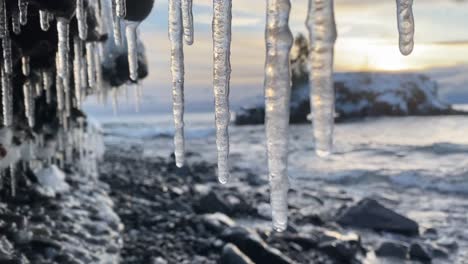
52	179
363	94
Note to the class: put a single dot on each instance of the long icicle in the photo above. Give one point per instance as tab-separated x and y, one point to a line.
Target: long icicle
117	26
63	30
322	31
77	69
279	39
222	14
187	18
28	101
177	70
405	26
23	9
81	18
91	68
15	21
131	33
3	19
7	98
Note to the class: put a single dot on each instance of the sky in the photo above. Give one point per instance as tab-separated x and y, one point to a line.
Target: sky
367	41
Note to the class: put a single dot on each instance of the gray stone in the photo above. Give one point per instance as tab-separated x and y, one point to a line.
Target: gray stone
392	249
232	255
420	252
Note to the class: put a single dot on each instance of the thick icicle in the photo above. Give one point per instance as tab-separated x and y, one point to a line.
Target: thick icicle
25	65
90	64
44	20
7	53
405	26
7	98
28	103
15	21
81	18
63	46
279	39
59	91
177	70
47	79
131	32
3	19
77	69
187	17
322	30
121	8
117	27
222	14
23	11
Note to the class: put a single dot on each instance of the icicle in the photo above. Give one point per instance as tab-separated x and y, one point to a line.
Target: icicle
90	64
25	65
3	19
63	46
15	21
279	41
77	69
47	79
121	8
23	12
7	99
81	18
39	86
187	17
222	14
117	26
28	103
322	30
60	90
44	20
405	26
115	101
13	179
98	73
177	70
131	32
7	59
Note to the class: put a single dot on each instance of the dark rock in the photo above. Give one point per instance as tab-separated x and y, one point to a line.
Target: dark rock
420	252
212	203
438	252
369	213
138	10
342	247
253	246
232	255
392	249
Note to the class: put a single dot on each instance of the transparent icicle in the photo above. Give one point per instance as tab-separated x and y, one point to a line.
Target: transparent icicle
405	26
23	12
81	18
131	32
7	53
7	98
47	79
117	26
28	102
322	31
3	19
13	179
39	87
25	65
63	29
98	73
121	8
60	90
222	14
177	70
44	20
77	69
187	17
15	21
91	67
279	41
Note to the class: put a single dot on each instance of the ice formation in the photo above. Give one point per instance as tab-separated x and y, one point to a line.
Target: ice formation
222	15
405	26
89	57
322	31
279	41
177	70
187	17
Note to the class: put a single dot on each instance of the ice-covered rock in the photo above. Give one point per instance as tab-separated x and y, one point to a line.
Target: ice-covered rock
52	179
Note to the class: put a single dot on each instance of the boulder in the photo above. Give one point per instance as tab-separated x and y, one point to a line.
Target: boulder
342	247
392	249
420	252
250	243
232	255
369	213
